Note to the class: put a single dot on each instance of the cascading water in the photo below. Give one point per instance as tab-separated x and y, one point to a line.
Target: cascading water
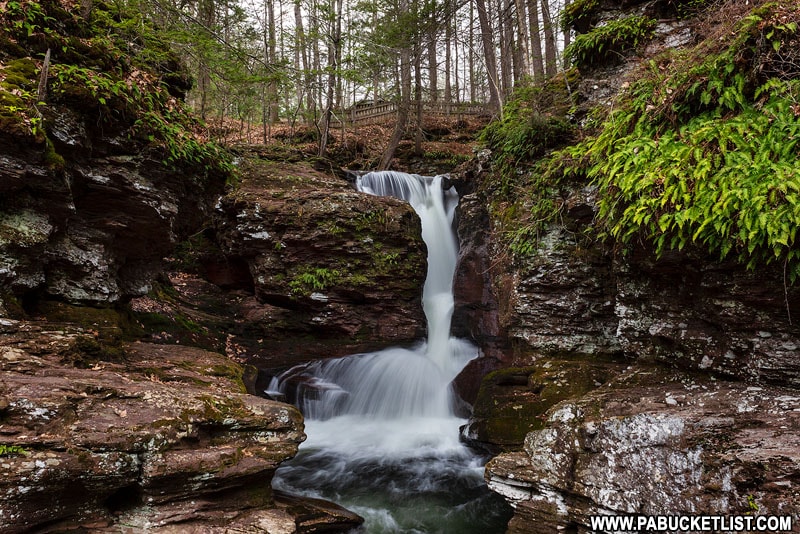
382	434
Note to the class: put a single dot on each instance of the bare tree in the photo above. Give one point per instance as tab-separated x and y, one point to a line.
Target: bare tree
489	55
550	56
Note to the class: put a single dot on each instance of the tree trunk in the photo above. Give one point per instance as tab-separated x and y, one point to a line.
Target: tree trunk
567	37
405	96
207	16
418	100
301	59
334	43
550	59
433	62
537	58
506	46
448	59
272	58
473	89
522	42
489	56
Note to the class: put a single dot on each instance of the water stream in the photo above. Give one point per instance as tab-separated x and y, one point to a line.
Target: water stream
382	433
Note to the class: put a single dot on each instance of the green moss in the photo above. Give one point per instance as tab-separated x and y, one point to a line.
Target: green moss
513	401
51	158
22	72
610	41
85	351
578	14
17	97
219	410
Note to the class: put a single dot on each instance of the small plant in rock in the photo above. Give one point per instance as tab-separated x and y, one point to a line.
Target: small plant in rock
10	451
316	279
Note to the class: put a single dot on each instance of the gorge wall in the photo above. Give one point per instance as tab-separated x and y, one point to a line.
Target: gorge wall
622	382
106	418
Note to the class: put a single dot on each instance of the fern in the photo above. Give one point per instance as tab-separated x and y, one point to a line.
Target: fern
609	40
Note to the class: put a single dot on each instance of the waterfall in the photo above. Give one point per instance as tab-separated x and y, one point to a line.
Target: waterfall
436	208
382	434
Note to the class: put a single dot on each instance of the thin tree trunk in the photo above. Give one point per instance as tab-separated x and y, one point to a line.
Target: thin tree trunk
550	59
567	37
473	89
489	55
301	47
506	46
537	58
405	97
207	15
448	40
272	58
523	40
433	62
334	42
418	100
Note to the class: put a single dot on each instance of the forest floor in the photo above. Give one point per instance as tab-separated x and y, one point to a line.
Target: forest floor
446	142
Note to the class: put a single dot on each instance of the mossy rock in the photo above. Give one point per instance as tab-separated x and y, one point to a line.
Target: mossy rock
513	402
87	350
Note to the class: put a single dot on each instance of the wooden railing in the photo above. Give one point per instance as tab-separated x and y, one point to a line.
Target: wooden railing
379	112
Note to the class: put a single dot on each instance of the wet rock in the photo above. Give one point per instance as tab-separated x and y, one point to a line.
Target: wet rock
164	436
512	401
655	442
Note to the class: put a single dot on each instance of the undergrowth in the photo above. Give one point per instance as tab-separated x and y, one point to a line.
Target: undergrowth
523	197
609	41
702	150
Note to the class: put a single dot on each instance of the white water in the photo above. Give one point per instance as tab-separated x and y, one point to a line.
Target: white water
382	434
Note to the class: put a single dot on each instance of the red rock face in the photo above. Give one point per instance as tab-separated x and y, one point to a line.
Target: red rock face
477	314
154	434
333	271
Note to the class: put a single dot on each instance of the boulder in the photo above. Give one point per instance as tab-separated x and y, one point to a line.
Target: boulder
655	442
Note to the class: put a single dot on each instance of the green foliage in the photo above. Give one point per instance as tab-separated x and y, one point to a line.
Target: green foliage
12	450
577	13
688	8
532	123
111	64
610	40
314	279
524	195
28	18
703	151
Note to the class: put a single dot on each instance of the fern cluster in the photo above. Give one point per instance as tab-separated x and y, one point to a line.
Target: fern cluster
704	151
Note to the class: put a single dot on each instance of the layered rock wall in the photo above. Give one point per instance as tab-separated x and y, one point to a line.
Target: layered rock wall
331	271
633	384
149	436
